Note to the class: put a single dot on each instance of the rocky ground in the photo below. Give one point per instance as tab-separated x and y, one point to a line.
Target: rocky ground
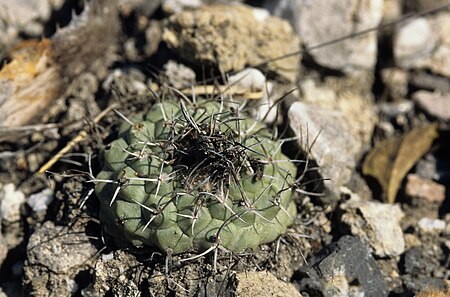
368	109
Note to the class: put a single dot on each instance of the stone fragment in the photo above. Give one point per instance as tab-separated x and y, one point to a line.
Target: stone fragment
418	261
424	43
429	225
422	5
263	284
253	80
429	81
392	10
425	189
10	202
179	75
435	104
396	82
412	41
142	7
343	268
351	15
334	146
40	201
233	37
55	256
375	223
28	16
114	276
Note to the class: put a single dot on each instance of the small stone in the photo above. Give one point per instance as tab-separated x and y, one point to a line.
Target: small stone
418	261
376	223
232	37
424	189
10	202
40	201
26	15
424	43
429	81
396	82
392	10
429	225
263	284
435	104
342	268
413	41
179	75
250	79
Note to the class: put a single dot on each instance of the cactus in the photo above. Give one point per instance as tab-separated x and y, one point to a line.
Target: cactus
189	177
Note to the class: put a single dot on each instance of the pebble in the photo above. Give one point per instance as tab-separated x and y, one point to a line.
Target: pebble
424	43
429	225
435	104
425	189
40	201
27	16
375	223
253	80
179	75
429	81
232	37
341	269
10	202
413	41
396	82
351	15
248	79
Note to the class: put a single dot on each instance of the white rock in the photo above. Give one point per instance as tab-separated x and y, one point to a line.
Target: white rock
429	225
376	223
40	201
415	40
10	202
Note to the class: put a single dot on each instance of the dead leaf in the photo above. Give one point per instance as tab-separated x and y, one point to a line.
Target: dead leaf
391	159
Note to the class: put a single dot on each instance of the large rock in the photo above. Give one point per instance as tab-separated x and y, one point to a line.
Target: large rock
328	115
232	37
343	17
334	146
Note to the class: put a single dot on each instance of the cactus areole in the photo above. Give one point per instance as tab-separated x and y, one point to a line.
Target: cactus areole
188	177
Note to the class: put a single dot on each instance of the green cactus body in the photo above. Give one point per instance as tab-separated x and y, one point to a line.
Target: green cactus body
187	178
